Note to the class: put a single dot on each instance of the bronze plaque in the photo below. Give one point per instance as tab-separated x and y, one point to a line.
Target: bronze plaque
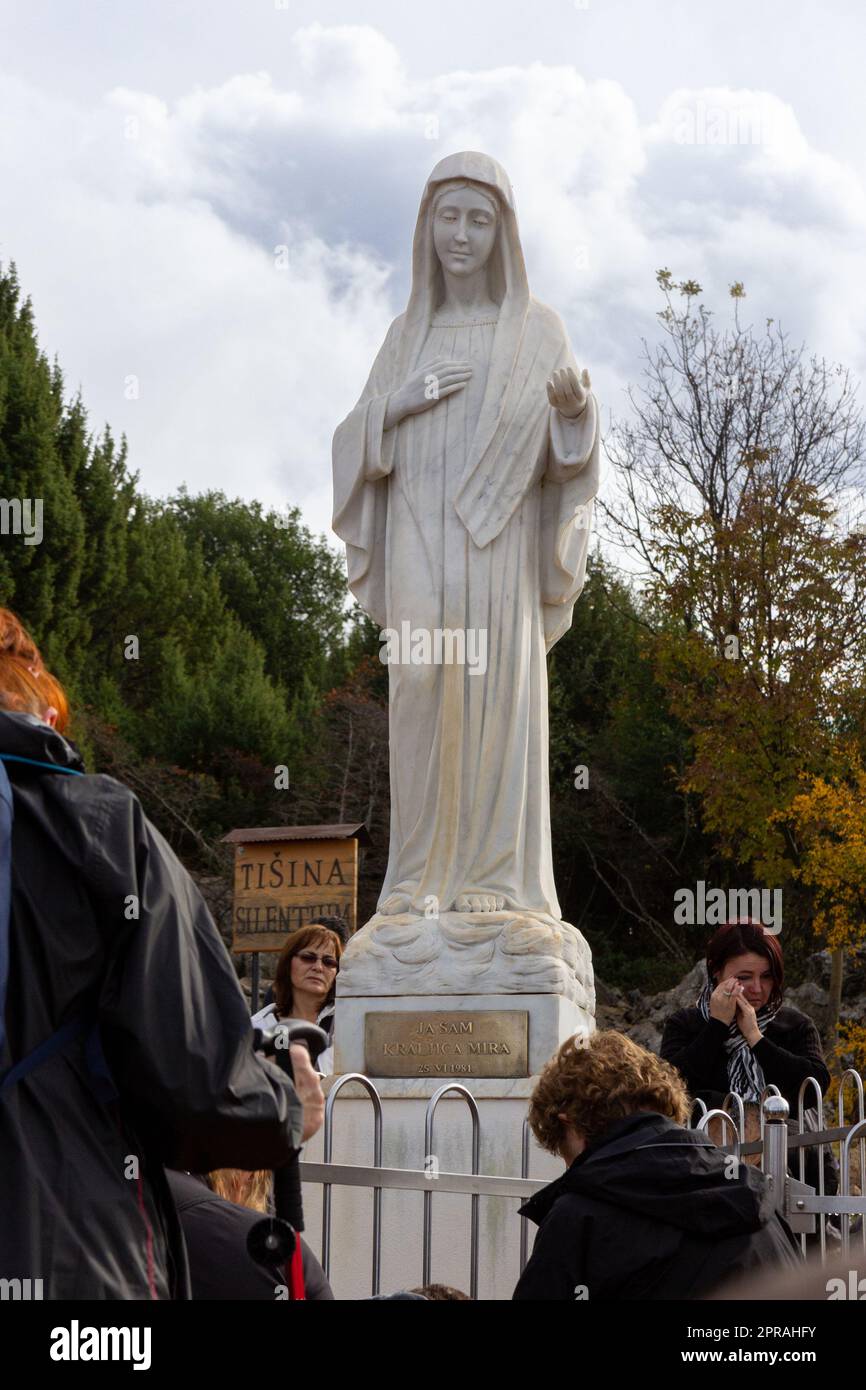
474	1042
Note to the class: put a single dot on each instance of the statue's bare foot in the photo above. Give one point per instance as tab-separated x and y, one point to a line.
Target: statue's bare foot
396	905
480	902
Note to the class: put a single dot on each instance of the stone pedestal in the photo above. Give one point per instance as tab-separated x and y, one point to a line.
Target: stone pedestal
513	952
502	1103
486	999
502	1106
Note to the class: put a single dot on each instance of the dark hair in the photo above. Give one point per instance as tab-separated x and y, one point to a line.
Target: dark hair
338	925
741	939
299	941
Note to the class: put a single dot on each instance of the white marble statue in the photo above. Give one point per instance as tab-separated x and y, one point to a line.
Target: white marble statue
463	487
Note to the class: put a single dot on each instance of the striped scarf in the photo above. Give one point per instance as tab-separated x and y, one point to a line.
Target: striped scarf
745	1076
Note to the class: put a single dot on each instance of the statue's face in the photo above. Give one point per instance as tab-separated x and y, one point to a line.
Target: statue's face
464	231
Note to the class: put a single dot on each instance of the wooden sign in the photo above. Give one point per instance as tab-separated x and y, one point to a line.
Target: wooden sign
287	876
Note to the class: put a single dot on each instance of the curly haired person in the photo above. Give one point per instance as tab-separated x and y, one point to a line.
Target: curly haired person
646	1208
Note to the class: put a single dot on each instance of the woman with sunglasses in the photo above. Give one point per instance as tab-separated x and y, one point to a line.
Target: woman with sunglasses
305	986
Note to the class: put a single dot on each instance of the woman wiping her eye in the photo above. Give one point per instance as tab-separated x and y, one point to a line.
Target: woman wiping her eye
740	1036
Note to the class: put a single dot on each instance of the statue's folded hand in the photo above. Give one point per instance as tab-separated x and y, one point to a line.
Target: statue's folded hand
425	387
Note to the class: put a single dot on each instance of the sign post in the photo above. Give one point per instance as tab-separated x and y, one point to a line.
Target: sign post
288	875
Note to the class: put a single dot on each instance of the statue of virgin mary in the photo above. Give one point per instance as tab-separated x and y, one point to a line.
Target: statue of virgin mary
463	488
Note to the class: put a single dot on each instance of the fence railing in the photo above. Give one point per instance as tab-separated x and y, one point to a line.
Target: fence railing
809	1211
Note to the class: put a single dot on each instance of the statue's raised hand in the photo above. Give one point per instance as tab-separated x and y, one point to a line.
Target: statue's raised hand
425	387
569	393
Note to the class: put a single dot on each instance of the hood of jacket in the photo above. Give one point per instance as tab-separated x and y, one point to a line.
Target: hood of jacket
26	737
649	1165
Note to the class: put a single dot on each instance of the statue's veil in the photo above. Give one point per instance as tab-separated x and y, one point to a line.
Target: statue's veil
508	281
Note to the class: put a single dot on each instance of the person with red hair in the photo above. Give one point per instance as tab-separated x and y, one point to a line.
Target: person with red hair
125	1042
25	685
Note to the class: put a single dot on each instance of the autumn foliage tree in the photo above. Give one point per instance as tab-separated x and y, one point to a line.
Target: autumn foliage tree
828	819
732	476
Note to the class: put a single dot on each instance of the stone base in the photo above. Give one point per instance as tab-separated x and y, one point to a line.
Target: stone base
512	952
502	1106
552	1019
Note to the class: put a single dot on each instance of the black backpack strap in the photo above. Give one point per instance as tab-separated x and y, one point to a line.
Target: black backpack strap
56	1043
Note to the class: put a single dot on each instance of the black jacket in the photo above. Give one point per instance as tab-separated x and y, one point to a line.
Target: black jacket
651	1211
789	1051
216	1240
107	925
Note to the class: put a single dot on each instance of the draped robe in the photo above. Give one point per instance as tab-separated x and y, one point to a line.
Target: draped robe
472	515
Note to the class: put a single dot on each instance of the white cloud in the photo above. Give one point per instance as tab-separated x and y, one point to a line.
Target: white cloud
355	72
146	230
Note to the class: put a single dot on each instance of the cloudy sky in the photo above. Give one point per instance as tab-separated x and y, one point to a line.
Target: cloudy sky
155	154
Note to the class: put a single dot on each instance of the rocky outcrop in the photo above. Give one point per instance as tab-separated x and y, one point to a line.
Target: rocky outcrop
642	1016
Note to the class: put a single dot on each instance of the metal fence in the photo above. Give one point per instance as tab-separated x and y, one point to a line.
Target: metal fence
814	1215
808	1210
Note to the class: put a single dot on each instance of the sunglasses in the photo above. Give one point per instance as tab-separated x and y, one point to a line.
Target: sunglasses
308	957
